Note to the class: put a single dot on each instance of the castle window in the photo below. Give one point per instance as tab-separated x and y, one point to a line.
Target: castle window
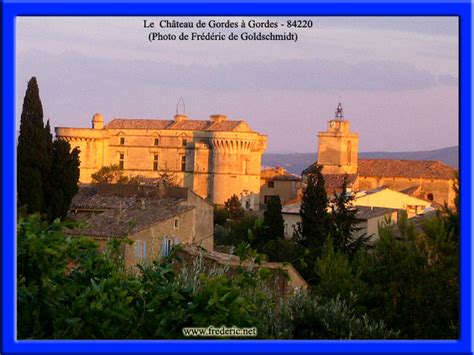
155	162
183	142
121	160
430	196
271	184
176	223
156	141
183	162
349	152
122	140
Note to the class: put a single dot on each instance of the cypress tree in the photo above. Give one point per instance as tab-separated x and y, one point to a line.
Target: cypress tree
273	219
47	172
314	226
344	223
64	178
46	169
32	162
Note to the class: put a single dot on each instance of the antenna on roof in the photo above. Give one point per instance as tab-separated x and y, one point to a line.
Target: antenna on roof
183	107
339	111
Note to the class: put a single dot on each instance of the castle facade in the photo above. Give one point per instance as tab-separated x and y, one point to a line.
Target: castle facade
215	158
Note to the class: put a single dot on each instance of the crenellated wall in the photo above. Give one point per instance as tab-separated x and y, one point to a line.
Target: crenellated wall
235	164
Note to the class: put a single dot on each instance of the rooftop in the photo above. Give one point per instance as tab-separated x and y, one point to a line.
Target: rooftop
278	173
113	213
428	169
365	213
335	181
186	125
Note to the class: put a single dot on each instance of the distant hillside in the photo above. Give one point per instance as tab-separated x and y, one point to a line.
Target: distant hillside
297	162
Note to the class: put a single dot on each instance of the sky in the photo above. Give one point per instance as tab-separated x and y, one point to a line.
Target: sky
396	77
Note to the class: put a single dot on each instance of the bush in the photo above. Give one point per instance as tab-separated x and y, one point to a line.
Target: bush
314	319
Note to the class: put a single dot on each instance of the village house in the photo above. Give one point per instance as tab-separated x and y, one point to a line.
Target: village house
384	197
215	158
369	220
279	182
153	219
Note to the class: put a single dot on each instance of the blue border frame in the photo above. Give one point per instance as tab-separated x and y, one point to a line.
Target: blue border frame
11	9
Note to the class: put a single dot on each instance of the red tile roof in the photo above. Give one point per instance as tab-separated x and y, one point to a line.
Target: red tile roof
186	125
428	169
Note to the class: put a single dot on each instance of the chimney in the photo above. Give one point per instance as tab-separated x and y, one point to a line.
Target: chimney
180	118
218	118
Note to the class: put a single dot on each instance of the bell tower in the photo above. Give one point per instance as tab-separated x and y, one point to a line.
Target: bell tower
338	147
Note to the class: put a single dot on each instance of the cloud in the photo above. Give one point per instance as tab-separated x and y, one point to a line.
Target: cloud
99	74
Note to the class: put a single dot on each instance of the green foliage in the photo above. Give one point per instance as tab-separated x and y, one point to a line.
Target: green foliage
273	219
237	231
64	178
234	207
338	277
68	290
221	216
47	172
406	288
344	230
111	174
32	152
335	319
313	229
284	250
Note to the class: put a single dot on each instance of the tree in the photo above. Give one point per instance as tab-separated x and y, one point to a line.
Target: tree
234	206
47	172
273	219
111	174
344	223
32	160
312	231
64	177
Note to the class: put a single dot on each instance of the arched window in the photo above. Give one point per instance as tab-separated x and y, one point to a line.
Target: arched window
430	196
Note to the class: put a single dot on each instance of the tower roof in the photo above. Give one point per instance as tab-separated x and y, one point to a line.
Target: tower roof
339	112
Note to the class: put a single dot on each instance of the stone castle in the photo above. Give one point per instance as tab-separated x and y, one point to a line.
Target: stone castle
215	158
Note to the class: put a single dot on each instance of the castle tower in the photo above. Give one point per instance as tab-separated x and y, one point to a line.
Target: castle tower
338	147
235	163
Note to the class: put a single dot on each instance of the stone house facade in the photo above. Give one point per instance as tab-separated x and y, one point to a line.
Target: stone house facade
152	219
279	182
